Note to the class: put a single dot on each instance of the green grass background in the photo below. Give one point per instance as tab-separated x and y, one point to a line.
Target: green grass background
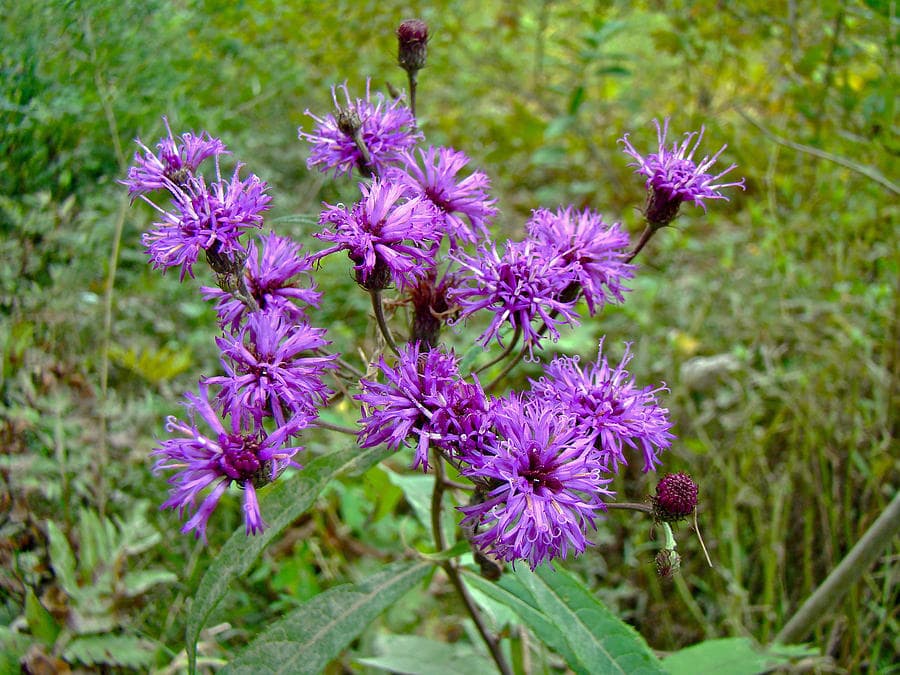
773	319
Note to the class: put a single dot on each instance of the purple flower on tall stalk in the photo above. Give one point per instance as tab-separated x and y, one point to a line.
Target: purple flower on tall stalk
271	371
453	198
673	176
276	267
386	129
543	485
608	408
208	218
373	232
518	287
250	457
173	163
406	403
594	251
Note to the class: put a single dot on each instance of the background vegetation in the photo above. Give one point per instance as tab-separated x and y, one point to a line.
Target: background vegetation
774	320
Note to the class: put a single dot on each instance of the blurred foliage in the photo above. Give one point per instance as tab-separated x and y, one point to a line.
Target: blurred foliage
774	320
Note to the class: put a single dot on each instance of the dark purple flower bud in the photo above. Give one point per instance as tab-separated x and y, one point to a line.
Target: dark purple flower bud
431	307
412	40
668	562
676	498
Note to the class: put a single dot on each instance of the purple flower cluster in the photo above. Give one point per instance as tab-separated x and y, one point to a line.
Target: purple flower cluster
673	176
274	360
540	460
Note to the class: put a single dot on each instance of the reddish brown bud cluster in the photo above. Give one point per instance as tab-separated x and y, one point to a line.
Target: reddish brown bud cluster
676	498
412	38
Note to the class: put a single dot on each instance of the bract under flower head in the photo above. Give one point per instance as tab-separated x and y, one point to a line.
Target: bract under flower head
275	268
386	129
594	251
544	485
608	408
452	198
673	176
518	287
373	232
248	456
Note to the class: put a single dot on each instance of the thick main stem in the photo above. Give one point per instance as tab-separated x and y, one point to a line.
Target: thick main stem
449	567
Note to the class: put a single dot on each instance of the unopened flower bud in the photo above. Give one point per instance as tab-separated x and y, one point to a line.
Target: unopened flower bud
668	562
412	40
676	498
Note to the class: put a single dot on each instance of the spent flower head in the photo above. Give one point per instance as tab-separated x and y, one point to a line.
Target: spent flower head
674	176
249	456
384	130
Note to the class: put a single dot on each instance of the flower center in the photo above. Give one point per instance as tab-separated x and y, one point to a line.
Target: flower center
240	457
538	474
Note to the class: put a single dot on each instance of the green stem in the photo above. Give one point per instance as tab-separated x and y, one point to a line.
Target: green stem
378	308
506	352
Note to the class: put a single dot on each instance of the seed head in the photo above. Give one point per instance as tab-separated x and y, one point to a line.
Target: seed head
676	498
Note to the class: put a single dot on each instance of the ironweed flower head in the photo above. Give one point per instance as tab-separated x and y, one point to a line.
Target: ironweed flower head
594	251
173	163
518	287
676	497
544	485
248	456
373	232
208	218
277	275
386	130
437	183
272	370
431	306
412	45
406	403
673	176
608	408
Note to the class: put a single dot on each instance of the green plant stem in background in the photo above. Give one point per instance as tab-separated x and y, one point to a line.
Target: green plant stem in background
506	352
378	308
845	575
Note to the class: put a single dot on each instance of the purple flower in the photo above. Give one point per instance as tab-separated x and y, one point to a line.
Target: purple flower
674	177
249	457
517	287
437	183
432	306
173	162
273	274
373	231
411	402
206	218
542	485
595	252
386	129
608	408
271	372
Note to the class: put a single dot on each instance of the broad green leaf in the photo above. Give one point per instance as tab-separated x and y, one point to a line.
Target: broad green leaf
283	503
136	583
599	640
414	655
522	604
40	622
315	633
62	559
417	491
730	656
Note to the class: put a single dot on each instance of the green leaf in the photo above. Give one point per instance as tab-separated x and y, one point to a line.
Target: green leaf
417	491
315	633
421	656
459	548
62	559
730	656
40	622
517	598
136	583
599	640
283	503
118	650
